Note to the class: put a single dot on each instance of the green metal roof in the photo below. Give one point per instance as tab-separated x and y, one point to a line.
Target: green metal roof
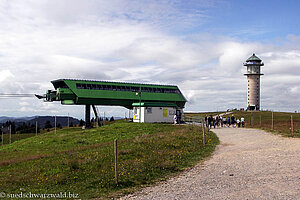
54	82
253	58
81	92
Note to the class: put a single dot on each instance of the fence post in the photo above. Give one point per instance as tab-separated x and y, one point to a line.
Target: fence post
9	134
203	131
36	128
272	121
116	161
260	120
68	120
104	118
55	124
208	128
292	125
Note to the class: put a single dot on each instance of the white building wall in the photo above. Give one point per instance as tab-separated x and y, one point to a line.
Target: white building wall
154	114
253	90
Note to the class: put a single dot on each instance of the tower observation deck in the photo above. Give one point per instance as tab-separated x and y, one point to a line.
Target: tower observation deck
253	74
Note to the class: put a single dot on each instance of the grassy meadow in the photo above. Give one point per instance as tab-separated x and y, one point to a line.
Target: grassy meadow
82	161
263	120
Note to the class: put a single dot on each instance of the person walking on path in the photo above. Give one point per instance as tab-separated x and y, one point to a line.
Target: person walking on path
214	122
228	121
218	121
224	121
209	120
233	120
243	122
238	123
175	119
221	121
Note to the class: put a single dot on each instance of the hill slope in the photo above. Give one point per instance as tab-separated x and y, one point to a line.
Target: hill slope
81	161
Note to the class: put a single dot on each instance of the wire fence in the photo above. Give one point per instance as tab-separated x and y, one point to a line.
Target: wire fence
133	161
287	124
192	119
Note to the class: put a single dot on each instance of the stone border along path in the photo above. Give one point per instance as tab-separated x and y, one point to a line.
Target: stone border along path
248	164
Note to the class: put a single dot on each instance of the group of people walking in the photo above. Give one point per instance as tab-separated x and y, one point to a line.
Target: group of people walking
220	121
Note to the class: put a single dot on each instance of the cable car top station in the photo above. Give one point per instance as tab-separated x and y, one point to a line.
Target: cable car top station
145	98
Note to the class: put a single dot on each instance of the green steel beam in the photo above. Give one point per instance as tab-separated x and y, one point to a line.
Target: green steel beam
68	92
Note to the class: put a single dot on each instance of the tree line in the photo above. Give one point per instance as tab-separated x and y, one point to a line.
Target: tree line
31	127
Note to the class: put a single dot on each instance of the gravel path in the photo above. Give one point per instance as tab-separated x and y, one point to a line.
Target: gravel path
248	164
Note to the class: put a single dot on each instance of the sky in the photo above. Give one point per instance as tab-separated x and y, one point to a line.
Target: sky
199	45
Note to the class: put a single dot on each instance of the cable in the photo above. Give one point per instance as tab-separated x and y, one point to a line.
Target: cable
2	95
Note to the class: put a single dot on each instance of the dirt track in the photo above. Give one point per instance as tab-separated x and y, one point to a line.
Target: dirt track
248	164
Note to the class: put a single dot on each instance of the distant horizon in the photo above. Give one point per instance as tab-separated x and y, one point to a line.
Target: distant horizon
54	116
131	116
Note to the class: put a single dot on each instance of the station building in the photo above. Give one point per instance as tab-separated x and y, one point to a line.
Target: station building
149	102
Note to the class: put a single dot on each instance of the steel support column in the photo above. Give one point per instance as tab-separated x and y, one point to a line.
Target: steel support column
88	116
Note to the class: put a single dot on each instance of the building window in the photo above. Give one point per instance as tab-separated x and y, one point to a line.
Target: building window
149	110
126	88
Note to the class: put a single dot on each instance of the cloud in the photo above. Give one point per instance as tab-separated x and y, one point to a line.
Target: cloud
5	75
133	41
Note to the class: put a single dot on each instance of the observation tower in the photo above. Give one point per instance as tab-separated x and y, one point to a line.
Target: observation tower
253	82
